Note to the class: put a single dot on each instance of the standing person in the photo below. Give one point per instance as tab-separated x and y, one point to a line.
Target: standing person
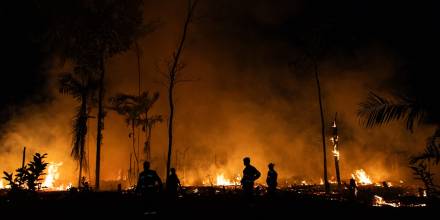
352	189
149	186
271	179
250	174
173	184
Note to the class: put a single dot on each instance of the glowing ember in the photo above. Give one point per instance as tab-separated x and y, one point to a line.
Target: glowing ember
52	175
304	183
362	177
379	201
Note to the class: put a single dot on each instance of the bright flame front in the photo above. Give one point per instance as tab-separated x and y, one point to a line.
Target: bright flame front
52	175
362	177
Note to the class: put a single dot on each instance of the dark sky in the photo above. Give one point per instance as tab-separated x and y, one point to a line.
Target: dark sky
408	29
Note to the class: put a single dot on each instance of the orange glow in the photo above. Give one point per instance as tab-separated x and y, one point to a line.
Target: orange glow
51	176
221	180
361	177
379	201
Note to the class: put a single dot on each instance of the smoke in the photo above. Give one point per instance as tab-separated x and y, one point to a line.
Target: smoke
246	101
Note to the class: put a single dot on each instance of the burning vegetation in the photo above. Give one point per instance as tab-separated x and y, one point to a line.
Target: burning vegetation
113	110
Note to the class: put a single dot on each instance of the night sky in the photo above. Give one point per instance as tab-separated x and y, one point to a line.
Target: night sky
408	29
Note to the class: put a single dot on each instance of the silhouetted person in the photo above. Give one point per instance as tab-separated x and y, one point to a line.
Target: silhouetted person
271	179
149	183
250	174
352	188
173	184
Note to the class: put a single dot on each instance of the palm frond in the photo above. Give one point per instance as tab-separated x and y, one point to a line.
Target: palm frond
377	110
79	132
432	149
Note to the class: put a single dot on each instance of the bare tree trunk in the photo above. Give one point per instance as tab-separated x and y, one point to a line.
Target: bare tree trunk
84	116
172	80
24	157
326	183
100	121
136	158
336	153
148	143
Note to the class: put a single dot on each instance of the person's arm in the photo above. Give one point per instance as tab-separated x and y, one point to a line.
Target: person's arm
257	174
159	181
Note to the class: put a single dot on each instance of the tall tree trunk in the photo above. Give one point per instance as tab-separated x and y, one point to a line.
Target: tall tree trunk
170	125
100	120
172	80
136	159
148	143
318	85
83	134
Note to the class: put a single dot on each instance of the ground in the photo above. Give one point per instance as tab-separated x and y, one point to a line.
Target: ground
205	203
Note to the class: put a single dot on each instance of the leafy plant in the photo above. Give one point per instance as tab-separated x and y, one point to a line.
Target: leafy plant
29	175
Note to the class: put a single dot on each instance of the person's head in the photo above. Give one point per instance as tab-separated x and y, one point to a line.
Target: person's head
146	165
173	171
247	161
271	165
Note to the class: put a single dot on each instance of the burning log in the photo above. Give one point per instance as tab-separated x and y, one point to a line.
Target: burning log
335	140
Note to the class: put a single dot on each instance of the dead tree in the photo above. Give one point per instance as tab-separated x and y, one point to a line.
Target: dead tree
173	77
335	142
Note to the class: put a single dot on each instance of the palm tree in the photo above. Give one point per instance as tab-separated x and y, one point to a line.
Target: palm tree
127	105
147	126
81	85
135	109
104	29
146	102
376	110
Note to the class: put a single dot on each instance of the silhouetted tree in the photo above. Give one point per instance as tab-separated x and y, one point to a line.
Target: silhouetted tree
135	109
173	77
93	31
82	85
313	51
377	110
29	174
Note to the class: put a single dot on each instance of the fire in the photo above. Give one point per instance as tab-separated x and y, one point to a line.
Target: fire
362	177
1	184
52	175
221	180
379	201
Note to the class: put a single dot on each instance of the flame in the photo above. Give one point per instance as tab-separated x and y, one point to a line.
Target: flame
52	175
362	177
379	201
335	152
221	180
1	184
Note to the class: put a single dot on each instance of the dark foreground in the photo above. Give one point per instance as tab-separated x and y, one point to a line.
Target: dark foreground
212	204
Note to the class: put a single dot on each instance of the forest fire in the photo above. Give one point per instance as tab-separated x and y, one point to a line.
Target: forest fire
52	176
2	186
379	201
221	180
361	177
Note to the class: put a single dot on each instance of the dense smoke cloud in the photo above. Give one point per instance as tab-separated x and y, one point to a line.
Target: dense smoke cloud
247	101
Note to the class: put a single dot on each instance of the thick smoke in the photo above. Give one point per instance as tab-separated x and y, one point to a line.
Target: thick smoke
246	101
